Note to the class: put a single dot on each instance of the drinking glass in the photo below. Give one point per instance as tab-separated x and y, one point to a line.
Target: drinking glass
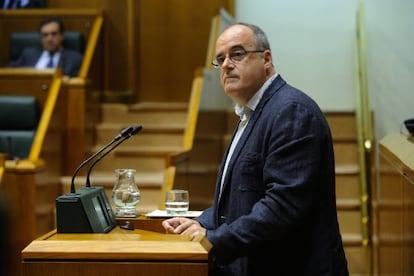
176	202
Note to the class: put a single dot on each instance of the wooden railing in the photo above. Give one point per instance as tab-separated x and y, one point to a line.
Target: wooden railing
45	119
91	46
365	138
193	108
218	23
180	158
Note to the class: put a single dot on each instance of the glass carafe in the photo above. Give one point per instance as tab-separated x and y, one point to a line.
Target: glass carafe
125	194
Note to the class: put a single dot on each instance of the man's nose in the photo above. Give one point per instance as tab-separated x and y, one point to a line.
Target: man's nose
227	61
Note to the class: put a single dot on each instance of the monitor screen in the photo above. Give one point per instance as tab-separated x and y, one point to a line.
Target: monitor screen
99	212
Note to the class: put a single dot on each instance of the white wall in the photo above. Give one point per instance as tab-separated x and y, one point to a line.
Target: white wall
390	47
313	45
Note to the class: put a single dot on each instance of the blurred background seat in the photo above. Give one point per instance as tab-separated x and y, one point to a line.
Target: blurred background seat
19	117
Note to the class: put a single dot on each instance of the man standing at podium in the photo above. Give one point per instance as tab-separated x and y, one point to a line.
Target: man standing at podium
274	211
53	54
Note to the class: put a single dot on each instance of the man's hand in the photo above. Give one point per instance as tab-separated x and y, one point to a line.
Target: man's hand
183	226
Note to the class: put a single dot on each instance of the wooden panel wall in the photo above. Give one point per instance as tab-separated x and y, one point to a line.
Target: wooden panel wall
173	43
152	47
394	207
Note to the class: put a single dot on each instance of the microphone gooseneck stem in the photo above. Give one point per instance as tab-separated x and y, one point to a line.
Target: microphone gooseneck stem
88	182
133	131
72	185
124	133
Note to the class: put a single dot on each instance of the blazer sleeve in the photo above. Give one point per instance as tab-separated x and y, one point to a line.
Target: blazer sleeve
206	219
27	58
70	62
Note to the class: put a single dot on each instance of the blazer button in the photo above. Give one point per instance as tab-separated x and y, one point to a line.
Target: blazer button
223	218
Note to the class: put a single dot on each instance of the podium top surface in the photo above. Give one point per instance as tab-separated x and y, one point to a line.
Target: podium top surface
118	244
399	150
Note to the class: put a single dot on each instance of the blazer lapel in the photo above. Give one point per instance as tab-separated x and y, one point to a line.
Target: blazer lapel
220	173
270	91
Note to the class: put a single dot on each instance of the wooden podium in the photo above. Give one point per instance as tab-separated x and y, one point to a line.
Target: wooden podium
119	252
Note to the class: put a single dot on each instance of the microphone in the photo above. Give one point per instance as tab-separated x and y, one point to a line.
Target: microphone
124	133
131	131
88	210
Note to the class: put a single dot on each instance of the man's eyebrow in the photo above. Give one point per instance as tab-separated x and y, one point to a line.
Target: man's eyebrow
237	46
234	47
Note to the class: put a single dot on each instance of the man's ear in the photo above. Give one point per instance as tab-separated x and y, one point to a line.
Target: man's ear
268	58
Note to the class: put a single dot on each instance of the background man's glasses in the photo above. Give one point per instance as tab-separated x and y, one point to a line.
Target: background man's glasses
234	56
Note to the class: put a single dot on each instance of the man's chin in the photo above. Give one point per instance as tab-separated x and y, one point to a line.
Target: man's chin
231	93
51	49
231	88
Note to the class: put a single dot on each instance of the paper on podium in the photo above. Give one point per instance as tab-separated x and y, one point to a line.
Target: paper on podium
163	214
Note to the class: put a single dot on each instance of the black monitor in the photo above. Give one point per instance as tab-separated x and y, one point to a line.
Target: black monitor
86	211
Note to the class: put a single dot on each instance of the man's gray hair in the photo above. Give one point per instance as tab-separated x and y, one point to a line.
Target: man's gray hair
259	36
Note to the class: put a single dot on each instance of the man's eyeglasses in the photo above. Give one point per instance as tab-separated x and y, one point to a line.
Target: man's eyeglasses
235	56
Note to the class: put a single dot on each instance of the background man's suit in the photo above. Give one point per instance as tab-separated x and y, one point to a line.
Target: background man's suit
27	4
70	61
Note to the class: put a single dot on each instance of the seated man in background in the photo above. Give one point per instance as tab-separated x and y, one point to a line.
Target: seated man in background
53	54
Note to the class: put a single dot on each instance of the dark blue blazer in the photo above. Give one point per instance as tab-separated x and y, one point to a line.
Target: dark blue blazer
70	61
277	212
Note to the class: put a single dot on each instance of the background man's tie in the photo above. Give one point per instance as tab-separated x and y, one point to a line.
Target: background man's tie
50	62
